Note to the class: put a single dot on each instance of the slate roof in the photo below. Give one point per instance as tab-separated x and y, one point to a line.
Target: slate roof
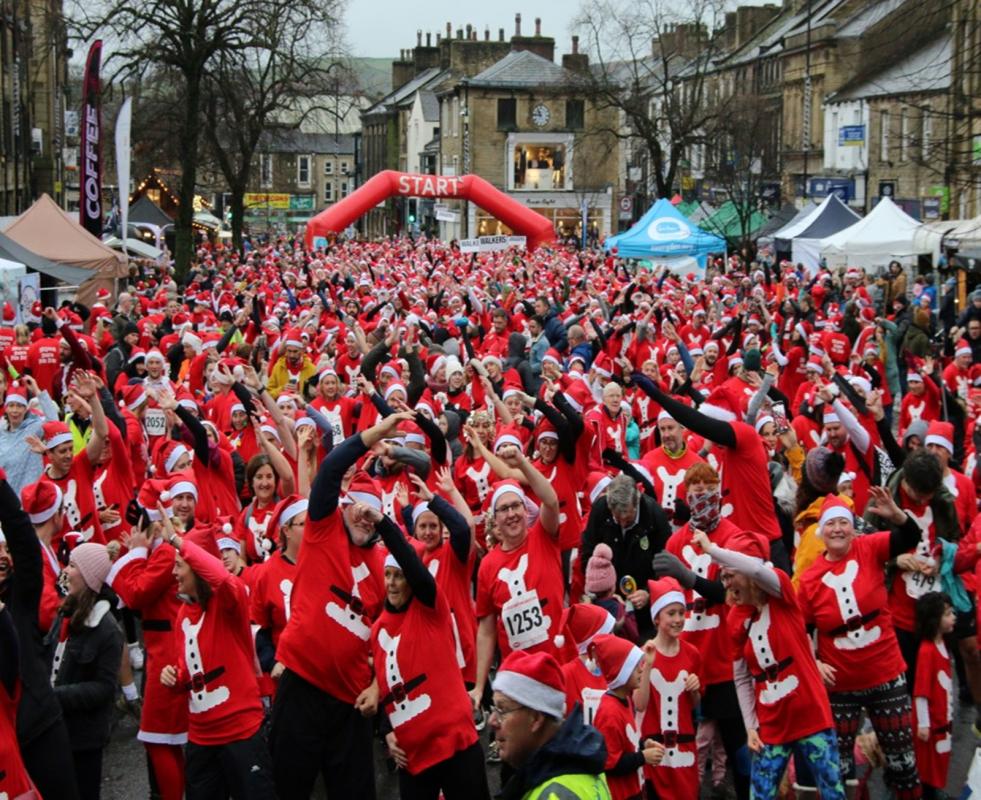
924	70
430	106
521	69
289	140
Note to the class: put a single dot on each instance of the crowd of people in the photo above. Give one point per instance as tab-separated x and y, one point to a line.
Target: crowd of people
661	533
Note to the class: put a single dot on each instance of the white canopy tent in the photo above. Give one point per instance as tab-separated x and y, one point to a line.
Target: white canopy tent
966	236
135	247
887	233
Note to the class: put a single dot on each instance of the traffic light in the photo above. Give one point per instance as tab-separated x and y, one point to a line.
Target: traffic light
412	210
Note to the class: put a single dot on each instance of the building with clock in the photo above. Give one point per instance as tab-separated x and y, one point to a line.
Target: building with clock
504	110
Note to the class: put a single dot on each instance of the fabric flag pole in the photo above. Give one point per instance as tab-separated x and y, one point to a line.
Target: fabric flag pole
123	124
90	208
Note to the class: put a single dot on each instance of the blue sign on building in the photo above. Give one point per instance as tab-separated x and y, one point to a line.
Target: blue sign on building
822	187
851	135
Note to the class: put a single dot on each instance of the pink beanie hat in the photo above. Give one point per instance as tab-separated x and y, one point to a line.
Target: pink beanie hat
600	574
92	561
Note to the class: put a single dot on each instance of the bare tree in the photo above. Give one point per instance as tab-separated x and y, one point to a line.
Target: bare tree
651	64
296	70
187	39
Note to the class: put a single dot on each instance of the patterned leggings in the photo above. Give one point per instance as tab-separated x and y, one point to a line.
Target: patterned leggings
820	750
891	714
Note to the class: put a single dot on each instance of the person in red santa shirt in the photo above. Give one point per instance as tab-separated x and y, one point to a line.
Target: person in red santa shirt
933	693
450	557
834	343
784	708
843	597
606	426
669	693
143	579
957	374
7	319
705	607
14	780
269	477
230	549
519	583
668	463
270	595
348	363
339	409
418	686
940	441
922	401
584	681
337	593
845	434
624	669
75	475
215	671
44	354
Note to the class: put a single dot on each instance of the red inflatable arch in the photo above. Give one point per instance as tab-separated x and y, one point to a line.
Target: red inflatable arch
521	219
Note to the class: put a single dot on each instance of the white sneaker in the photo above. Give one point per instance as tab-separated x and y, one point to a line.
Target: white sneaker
135	656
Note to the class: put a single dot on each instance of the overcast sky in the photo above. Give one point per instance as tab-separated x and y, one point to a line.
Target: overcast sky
383	27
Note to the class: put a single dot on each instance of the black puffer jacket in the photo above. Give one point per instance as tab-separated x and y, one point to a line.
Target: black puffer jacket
85	683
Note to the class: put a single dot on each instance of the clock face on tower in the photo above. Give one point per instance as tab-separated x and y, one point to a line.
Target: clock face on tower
540	115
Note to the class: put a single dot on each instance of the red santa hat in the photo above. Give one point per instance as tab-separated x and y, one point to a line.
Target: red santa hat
363	489
395	386
554	356
664	592
941	433
16	393
721	404
814	363
180	483
596	483
502	488
166	454
152	492
192	340
41	500
133	396
55	433
392	370
223	530
293	338
603	365
546	430
508	435
204	537
103	295
580	623
830	416
534	680
9	315
963	348
577	394
750	543
617	658
833	507
914	376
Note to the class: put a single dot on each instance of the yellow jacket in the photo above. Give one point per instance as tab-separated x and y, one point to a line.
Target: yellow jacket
279	376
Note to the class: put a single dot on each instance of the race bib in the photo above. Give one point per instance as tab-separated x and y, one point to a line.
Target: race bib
155	422
524	622
918	584
590	703
337	429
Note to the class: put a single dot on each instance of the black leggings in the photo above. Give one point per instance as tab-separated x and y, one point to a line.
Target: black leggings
48	759
313	733
241	769
460	777
88	773
720	704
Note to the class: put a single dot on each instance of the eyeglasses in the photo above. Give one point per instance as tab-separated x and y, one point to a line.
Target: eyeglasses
509	508
501	713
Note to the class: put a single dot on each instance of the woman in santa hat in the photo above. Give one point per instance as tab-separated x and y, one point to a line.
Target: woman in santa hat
669	693
22	464
143	579
268	476
584	681
215	672
624	668
421	690
784	708
86	661
270	596
843	596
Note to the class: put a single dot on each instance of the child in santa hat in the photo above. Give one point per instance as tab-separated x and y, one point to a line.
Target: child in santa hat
933	692
623	667
669	693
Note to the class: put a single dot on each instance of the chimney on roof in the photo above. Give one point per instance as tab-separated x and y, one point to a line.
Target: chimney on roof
439	38
429	39
575	45
449	30
538	26
419	37
575	61
517	24
500	34
469	30
486	34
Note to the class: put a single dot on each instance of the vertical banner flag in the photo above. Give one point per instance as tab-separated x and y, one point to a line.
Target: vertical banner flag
90	207
123	124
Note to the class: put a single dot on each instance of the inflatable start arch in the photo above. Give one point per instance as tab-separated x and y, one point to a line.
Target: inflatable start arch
521	219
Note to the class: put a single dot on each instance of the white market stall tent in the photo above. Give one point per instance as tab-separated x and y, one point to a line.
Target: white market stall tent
887	233
806	238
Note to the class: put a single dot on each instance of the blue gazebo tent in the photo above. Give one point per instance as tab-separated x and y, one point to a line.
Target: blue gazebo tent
664	236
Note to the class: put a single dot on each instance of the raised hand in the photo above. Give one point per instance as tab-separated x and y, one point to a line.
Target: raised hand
422	490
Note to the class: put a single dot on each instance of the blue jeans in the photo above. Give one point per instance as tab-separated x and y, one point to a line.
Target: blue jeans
820	750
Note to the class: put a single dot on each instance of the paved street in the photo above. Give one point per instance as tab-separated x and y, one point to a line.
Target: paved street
125	765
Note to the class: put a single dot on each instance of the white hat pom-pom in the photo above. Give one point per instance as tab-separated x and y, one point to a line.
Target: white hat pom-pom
164	496
239	372
559	640
226	528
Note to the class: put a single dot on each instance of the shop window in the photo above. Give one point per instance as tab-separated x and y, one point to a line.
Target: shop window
540	166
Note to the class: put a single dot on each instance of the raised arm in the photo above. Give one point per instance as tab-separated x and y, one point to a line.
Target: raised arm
715	430
419	578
